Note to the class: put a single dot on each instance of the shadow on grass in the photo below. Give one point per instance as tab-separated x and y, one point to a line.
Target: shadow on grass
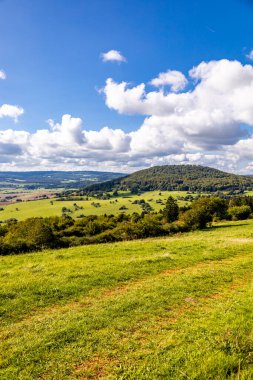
225	226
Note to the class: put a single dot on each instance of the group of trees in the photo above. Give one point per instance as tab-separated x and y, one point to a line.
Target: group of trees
175	177
55	232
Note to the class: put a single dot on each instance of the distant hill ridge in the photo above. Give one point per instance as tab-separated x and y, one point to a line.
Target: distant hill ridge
177	177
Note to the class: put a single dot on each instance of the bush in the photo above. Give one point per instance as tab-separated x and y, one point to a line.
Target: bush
32	233
196	218
239	212
214	206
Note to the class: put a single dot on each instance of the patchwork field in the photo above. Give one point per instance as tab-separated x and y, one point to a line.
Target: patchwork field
45	207
167	308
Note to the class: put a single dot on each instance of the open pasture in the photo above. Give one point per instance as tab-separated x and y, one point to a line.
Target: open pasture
52	207
168	308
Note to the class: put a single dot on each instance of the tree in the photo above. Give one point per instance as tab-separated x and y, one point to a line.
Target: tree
214	206
171	210
239	212
196	218
33	232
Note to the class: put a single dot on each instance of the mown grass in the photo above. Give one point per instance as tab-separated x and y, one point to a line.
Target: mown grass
167	308
44	208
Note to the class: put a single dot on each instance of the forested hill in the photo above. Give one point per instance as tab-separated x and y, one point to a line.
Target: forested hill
177	177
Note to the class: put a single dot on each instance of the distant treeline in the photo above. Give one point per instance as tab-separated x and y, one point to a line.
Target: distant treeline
176	177
57	232
54	179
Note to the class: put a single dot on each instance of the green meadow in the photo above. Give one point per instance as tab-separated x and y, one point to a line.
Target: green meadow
167	308
44	208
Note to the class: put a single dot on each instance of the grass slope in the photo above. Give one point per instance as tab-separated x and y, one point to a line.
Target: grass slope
168	308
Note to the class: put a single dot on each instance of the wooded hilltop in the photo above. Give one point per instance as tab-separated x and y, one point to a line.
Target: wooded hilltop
177	177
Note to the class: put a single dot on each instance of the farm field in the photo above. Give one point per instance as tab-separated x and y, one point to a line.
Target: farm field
166	308
8	196
44	208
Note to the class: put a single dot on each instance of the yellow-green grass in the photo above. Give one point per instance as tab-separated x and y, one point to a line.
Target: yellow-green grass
44	208
167	308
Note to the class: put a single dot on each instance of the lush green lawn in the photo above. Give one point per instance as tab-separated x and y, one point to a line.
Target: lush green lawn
168	308
44	208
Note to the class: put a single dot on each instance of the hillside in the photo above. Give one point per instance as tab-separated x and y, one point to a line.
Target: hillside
53	179
52	207
170	308
177	177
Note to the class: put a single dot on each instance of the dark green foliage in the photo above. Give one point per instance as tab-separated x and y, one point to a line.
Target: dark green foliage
31	234
196	218
239	212
214	206
203	211
64	231
177	177
241	201
171	210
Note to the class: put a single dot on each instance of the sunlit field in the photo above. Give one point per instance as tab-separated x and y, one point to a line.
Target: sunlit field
52	207
166	308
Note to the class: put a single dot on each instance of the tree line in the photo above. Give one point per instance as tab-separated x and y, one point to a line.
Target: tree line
63	231
175	177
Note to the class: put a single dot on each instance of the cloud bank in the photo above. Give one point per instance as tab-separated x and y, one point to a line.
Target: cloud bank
204	118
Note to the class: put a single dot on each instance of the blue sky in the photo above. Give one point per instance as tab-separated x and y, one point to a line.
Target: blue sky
51	54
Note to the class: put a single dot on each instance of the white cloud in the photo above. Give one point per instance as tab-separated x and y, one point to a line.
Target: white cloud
113	56
208	116
250	55
64	145
70	129
123	99
2	74
108	139
8	110
173	78
203	125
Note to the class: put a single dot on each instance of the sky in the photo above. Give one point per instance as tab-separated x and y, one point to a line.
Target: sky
119	85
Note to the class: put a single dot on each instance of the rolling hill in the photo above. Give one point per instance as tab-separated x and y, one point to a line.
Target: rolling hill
177	177
53	179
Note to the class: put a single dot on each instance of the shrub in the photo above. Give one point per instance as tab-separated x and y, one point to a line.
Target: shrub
196	218
239	212
33	232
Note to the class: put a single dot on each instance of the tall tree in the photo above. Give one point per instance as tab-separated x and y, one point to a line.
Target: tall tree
171	210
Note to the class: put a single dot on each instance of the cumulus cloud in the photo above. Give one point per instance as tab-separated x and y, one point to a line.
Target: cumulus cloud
209	122
69	130
64	145
113	56
208	116
173	78
8	110
2	74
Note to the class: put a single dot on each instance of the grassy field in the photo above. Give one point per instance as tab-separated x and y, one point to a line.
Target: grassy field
44	208
168	308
